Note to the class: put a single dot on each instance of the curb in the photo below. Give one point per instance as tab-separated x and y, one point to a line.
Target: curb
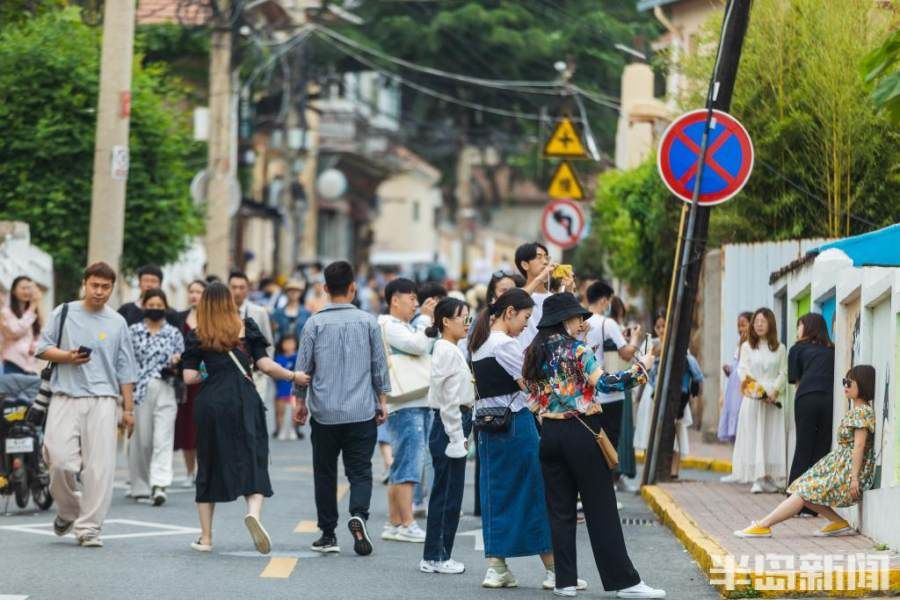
705	550
717	465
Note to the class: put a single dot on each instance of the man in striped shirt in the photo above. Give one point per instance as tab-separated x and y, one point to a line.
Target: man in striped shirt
341	349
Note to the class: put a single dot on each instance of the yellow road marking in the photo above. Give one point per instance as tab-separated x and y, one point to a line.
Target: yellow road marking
306	527
279	567
342	490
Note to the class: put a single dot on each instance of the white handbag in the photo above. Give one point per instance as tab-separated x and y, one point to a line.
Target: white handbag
410	374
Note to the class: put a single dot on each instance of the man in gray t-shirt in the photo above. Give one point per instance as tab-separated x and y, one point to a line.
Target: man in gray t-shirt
94	365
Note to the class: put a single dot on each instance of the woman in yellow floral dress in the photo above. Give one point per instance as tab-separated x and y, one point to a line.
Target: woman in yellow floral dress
840	478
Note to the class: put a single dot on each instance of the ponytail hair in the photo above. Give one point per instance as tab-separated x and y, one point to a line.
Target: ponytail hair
447	308
516	298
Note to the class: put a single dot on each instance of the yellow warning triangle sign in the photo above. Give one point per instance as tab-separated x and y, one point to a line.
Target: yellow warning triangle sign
565	183
565	141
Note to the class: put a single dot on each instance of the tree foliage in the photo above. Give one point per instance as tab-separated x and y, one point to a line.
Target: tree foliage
824	155
634	231
882	67
49	69
497	39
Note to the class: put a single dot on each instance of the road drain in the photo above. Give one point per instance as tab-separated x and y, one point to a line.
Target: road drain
639	522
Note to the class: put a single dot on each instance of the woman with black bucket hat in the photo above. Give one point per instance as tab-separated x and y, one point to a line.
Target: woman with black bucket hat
563	377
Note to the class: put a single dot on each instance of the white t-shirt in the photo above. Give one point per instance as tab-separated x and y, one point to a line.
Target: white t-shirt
510	356
602	329
531	329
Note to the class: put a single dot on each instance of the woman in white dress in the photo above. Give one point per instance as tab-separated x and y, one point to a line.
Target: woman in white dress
760	441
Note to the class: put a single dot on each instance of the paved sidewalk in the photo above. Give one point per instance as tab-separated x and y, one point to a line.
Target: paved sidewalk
703	456
704	515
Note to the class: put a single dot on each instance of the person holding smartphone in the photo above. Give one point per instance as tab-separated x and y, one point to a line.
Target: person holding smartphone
95	365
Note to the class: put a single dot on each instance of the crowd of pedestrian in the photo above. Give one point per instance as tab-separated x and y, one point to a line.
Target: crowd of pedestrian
544	379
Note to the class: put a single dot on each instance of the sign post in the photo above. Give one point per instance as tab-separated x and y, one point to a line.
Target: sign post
679	318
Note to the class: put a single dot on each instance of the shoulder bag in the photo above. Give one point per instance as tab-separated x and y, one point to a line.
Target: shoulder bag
610	455
38	412
410	374
612	362
494	419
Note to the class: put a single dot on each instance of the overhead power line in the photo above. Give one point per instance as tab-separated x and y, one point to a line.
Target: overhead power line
552	88
427	90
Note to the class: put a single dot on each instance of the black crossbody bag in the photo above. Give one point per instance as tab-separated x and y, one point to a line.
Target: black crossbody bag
492	380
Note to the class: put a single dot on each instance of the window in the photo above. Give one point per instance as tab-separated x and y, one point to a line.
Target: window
415	211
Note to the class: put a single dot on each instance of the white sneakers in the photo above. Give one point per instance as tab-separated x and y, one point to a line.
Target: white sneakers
399	533
449	566
641	590
566	592
493	579
550	582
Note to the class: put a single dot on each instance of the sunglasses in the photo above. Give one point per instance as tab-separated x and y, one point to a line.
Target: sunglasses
501	274
467	320
846	382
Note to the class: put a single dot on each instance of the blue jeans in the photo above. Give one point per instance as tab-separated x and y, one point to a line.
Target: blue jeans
408	427
446	492
422	489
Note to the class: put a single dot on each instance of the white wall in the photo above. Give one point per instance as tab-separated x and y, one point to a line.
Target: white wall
745	283
874	294
19	257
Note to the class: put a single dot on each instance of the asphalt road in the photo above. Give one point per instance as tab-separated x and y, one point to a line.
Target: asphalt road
147	554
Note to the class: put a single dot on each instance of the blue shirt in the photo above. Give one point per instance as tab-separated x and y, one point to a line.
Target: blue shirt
341	349
284	389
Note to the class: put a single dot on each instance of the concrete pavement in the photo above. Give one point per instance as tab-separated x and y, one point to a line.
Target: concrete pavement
147	554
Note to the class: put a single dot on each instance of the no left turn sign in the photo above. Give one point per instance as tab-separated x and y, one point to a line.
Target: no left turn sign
563	223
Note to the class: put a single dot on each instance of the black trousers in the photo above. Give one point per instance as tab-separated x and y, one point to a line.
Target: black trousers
573	464
356	442
813	419
611	418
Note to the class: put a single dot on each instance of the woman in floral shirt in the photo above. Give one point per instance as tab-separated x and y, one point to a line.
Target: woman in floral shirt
840	478
563	376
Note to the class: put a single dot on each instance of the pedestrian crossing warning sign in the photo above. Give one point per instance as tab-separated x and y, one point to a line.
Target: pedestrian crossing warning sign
565	183
565	142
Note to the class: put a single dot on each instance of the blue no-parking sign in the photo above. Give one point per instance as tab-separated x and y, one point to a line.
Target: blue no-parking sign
729	157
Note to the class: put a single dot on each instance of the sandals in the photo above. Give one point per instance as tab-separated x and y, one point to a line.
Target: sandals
260	538
200	547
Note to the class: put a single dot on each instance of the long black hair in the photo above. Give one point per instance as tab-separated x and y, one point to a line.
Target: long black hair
491	296
536	354
446	308
18	309
516	298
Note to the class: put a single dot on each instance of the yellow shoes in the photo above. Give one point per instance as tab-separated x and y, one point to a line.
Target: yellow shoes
835	528
754	531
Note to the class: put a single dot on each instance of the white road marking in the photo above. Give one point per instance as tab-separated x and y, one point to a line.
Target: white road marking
160	529
478	534
11	597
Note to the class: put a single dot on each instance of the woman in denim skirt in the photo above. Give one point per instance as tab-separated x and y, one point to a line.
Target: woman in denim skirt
513	512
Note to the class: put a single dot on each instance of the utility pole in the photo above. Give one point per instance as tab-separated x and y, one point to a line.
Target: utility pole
111	140
679	321
219	168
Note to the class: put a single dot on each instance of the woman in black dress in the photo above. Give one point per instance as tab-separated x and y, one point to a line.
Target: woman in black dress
811	369
232	439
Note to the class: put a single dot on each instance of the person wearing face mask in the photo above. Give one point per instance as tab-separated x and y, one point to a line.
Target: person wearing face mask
150	277
157	347
564	378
